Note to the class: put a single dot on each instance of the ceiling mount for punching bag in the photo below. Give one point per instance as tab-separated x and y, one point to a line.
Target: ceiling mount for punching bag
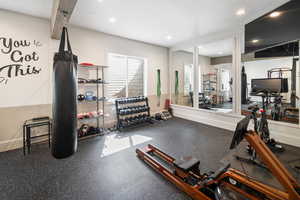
64	108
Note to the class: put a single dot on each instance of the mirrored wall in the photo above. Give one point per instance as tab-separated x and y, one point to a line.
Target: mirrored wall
270	83
215	80
249	71
182	77
270	80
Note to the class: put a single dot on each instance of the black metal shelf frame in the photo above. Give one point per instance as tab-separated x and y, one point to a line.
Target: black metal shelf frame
102	99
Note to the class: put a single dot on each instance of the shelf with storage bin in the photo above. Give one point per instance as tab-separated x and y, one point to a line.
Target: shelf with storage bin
90	118
92	84
209	84
91	100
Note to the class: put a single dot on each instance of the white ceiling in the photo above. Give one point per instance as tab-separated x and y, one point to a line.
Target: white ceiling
150	20
217	48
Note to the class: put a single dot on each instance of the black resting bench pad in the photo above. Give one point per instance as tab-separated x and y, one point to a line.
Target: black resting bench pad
187	164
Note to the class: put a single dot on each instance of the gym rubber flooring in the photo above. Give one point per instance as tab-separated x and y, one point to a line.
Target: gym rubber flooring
106	168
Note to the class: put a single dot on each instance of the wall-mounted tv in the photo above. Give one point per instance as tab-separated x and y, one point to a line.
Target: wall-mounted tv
270	85
284	50
281	25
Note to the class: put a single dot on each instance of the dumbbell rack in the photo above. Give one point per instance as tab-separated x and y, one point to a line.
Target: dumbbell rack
132	111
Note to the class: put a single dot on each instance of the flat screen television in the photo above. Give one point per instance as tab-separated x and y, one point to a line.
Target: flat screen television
270	85
279	26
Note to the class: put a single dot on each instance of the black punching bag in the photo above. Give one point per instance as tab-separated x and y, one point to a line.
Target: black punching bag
244	86
64	107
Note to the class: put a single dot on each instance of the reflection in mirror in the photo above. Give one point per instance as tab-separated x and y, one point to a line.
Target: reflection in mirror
270	81
215	91
182	77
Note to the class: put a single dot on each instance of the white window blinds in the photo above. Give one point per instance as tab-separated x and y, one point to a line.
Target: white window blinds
125	76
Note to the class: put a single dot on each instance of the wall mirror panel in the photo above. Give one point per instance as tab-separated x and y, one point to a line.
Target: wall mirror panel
215	80
270	83
182	77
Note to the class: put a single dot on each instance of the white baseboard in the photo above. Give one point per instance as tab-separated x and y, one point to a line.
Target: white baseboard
8	145
17	143
283	132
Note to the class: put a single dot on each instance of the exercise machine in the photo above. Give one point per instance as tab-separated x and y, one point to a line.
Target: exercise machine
261	127
252	159
266	88
226	183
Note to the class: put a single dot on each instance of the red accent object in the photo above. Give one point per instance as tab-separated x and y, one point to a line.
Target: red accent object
262	110
87	64
80	116
167	104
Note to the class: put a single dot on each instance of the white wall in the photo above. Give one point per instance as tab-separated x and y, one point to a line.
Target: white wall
27	89
30	96
88	45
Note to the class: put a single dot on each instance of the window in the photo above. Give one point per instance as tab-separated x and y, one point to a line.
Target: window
125	76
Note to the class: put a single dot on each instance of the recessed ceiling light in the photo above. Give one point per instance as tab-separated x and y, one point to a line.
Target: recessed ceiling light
112	20
169	37
240	12
275	14
255	41
200	47
100	1
220	53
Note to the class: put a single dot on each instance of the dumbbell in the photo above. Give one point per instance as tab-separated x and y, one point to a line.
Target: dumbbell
141	118
145	117
120	101
126	121
122	111
83	130
135	120
142	108
141	98
80	97
135	109
131	120
128	111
